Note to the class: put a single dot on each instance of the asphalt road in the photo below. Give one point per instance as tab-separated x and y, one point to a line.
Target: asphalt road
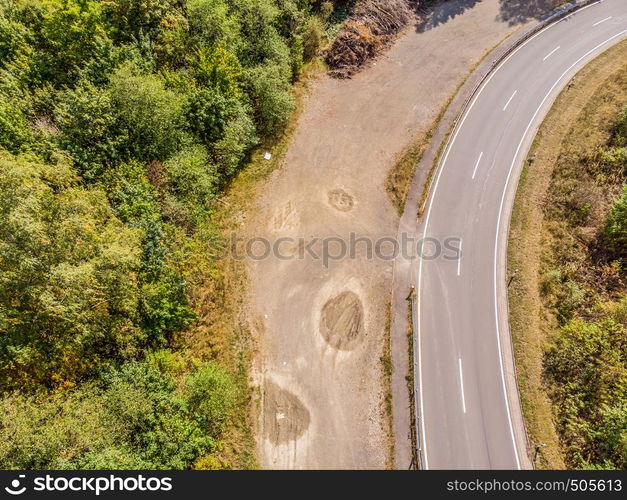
468	410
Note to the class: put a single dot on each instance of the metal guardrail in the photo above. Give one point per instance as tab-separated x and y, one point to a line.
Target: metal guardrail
416	409
415	436
549	20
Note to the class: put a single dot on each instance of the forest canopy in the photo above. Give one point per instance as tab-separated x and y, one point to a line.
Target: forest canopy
121	122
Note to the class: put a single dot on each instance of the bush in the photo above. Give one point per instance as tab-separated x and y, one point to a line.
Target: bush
620	129
211	21
192	185
87	119
137	418
616	226
230	151
149	117
130	19
313	37
14	132
70	34
209	393
271	96
588	368
54	431
208	113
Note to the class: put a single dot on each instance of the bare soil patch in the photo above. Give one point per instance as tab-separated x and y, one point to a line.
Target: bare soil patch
341	200
341	322
285	417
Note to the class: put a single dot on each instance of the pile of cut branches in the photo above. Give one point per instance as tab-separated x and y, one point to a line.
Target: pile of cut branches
372	25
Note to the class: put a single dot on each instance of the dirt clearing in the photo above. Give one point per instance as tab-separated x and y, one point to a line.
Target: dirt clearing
321	329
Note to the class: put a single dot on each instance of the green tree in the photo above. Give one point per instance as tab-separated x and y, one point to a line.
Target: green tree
130	19
270	93
69	293
55	430
209	112
134	118
210	396
14	131
192	186
150	117
87	120
69	34
211	21
140	416
217	68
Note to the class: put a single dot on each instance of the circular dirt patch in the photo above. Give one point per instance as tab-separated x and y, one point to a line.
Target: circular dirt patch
285	417
341	200
341	323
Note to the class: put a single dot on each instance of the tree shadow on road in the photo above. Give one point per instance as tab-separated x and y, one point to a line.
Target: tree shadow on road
435	12
522	11
438	12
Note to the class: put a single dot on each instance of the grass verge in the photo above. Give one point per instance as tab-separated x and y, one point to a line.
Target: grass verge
401	175
594	95
411	382
387	368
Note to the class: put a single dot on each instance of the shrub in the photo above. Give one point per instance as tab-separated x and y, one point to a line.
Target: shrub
271	96
14	131
210	395
313	37
138	417
616	226
149	117
588	369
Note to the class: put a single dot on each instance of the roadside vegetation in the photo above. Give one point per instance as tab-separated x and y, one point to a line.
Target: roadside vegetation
122	125
569	294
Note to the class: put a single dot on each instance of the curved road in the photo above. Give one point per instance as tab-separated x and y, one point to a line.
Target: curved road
467	404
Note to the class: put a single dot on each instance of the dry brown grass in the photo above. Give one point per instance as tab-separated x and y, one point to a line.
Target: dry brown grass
387	368
400	176
573	125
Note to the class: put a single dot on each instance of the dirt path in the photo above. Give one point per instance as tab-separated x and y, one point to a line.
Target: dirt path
321	330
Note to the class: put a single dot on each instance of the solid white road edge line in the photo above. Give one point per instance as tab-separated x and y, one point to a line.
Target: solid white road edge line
498	224
425	452
435	188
